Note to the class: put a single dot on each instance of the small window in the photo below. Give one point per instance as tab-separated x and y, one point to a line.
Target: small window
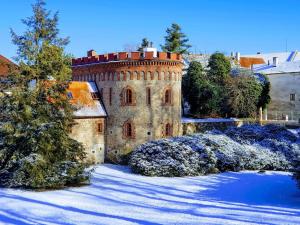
128	96
100	128
128	130
292	97
168	130
148	96
110	96
167	96
70	96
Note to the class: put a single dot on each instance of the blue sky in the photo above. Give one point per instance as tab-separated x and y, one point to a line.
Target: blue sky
211	25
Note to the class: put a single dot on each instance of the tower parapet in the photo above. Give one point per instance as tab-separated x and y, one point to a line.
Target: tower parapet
93	58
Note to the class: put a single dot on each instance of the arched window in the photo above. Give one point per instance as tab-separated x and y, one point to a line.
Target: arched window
167	96
148	96
128	96
168	130
128	130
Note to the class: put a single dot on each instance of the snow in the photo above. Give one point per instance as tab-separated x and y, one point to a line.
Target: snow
95	110
208	120
117	196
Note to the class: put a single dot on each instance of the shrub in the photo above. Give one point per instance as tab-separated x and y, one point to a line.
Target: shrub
245	148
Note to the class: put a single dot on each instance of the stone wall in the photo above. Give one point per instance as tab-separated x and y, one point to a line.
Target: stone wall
86	131
282	86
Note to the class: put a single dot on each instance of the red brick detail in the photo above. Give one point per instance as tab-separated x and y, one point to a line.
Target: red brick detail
122	55
162	55
148	55
135	55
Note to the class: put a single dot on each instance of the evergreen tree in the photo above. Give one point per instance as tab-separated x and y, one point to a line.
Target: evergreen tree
219	68
243	94
202	95
265	97
145	43
175	40
36	116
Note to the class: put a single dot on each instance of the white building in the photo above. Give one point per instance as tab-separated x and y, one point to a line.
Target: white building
283	71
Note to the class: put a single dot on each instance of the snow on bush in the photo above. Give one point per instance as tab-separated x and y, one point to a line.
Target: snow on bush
250	147
165	158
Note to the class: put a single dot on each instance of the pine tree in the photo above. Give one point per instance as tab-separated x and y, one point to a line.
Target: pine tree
36	116
145	43
175	40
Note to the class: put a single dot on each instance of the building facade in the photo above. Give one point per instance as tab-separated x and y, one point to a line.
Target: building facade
283	71
89	119
141	92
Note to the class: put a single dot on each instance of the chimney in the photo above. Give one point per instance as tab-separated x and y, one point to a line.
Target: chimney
275	61
237	56
91	53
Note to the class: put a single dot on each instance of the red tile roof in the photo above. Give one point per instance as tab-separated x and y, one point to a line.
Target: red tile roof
246	62
4	66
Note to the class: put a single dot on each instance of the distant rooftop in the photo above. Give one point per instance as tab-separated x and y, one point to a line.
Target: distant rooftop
4	66
272	63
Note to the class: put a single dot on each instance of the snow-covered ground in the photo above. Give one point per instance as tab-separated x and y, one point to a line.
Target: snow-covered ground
118	197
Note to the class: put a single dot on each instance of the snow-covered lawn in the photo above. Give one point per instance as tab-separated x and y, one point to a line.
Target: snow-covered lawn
118	197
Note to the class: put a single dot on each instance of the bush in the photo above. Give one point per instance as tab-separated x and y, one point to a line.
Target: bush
246	148
165	158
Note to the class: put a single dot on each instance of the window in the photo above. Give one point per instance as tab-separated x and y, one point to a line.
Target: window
110	96
292	97
148	96
128	130
100	128
128	96
168	130
167	96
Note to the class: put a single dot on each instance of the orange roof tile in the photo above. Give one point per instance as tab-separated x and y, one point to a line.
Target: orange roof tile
246	62
4	66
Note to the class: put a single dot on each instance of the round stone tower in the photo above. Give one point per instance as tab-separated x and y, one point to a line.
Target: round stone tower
141	92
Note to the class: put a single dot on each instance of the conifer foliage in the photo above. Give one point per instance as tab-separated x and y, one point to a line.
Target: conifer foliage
36	116
175	40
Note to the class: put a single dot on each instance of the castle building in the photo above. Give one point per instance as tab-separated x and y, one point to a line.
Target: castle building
141	94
